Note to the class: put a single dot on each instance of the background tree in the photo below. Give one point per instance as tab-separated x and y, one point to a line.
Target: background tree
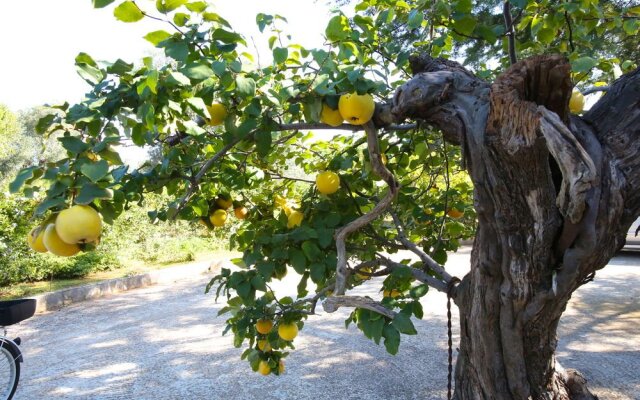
553	191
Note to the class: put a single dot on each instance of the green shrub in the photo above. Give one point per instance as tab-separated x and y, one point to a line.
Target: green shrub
132	238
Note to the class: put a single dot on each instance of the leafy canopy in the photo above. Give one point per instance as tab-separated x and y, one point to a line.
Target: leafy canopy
261	160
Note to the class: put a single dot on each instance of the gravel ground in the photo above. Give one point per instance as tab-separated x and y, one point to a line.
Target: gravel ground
164	342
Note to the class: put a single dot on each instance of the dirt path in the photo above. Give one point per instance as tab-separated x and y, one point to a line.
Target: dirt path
164	342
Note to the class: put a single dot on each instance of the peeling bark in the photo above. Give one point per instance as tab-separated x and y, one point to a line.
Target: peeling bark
554	195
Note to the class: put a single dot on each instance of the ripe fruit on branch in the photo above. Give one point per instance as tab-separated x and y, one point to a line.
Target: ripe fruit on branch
79	224
455	213
224	201
218	218
294	219
218	113
356	109
576	103
393	293
328	182
264	368
330	116
57	246
241	212
263	326
288	332
34	239
263	345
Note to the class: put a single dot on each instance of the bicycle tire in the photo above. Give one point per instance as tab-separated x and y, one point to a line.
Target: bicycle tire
9	360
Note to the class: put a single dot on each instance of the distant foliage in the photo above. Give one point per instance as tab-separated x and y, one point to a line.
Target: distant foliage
134	238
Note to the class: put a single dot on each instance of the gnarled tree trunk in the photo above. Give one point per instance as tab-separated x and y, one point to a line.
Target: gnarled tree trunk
555	195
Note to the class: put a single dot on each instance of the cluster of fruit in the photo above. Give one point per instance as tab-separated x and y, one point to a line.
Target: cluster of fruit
67	233
218	217
327	182
356	109
286	332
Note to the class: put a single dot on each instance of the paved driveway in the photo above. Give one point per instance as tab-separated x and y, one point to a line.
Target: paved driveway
164	342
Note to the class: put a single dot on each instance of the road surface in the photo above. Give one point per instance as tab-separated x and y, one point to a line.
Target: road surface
164	342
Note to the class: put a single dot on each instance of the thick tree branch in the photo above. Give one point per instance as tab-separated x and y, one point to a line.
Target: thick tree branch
510	32
333	303
341	234
578	170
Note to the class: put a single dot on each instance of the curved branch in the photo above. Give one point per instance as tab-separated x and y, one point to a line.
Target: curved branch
341	234
578	170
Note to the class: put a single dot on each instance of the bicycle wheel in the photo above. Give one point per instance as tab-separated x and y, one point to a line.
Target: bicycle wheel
9	371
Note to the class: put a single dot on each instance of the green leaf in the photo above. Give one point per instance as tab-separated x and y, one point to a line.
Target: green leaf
197	71
90	192
73	144
120	67
391	339
128	11
280	55
175	48
246	127
263	143
311	250
302	285
266	268
297	260
546	35
44	123
156	37
87	69
317	272
21	178
325	237
227	36
101	3
95	171
415	19
113	157
50	203
338	28
245	86
631	26
152	81
583	64
198	105
419	291
197	6
403	324
259	283
180	19
178	78
165	6
371	324
465	25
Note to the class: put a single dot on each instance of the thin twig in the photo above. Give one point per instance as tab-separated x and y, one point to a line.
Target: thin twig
595	89
424	257
418	274
566	17
508	23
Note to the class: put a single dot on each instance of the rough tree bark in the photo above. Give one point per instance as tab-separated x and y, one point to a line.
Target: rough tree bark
555	195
